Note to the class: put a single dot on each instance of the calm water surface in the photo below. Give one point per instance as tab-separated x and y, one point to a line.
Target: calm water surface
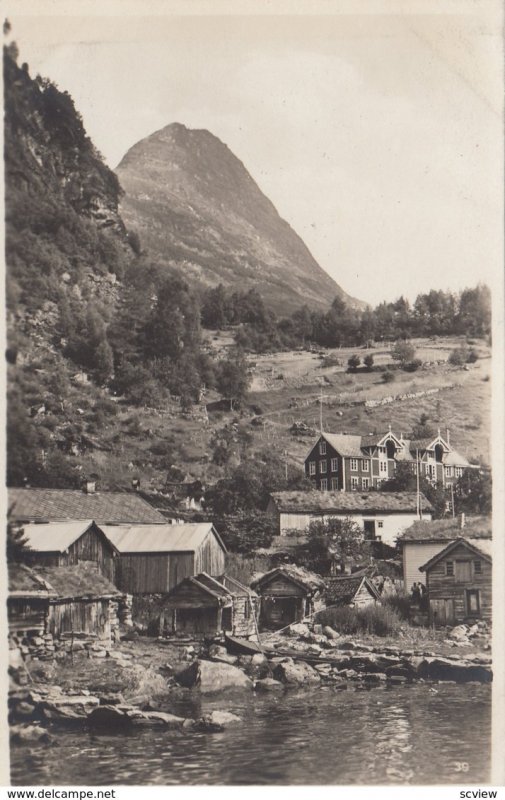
402	735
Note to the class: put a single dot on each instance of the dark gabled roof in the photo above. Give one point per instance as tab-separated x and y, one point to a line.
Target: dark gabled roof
80	581
452	546
345	444
348	502
61	505
235	587
211	586
447	530
24	582
309	581
341	591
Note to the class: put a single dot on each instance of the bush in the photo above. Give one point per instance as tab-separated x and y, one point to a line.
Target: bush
388	377
331	360
413	366
381	620
400	603
368	361
472	356
353	362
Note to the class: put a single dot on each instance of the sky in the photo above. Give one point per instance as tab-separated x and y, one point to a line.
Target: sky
377	136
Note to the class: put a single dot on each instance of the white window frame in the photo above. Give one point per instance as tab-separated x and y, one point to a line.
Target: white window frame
324	484
448	472
354	483
312	467
383	466
354	464
334	464
458	471
322	448
365	465
323	466
380	523
334	484
365	483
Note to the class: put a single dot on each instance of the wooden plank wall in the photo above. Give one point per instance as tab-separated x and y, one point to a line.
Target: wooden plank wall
281	587
91	546
87	616
443	586
210	557
146	573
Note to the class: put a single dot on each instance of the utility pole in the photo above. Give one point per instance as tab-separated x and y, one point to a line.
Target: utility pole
418	494
321	411
286	465
452	500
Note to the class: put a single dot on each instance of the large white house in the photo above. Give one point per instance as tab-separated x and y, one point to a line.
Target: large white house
382	515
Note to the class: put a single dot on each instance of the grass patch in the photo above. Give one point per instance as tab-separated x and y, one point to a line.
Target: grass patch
379	620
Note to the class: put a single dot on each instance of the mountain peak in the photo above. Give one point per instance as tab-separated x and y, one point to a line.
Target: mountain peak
196	207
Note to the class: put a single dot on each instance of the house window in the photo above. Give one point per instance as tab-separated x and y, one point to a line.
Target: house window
322	448
448	472
334	464
477	567
463	571
383	466
458	471
472	603
334	484
449	567
324	484
322	465
365	483
364	465
312	467
380	523
378	483
354	483
354	464
247	609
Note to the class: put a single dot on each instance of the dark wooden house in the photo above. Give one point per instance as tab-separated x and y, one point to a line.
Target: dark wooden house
205	606
350	590
27	602
459	582
288	594
64	544
153	559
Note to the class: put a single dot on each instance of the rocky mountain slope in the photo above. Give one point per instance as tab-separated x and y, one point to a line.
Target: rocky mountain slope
195	206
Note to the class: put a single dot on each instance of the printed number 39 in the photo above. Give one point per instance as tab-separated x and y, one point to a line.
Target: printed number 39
461	766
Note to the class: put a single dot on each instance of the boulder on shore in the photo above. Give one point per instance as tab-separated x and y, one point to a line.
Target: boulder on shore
21	734
295	673
216	721
67	708
213	676
460	671
268	685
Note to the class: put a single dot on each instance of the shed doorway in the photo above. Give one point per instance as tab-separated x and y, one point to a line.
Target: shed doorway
442	611
277	612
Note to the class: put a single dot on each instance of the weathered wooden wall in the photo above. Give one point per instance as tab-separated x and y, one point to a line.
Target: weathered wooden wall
280	586
145	573
363	598
210	557
441	586
92	546
86	616
26	614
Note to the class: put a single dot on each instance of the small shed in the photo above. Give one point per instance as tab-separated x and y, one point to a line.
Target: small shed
206	606
350	590
58	544
288	594
27	602
153	559
86	602
459	582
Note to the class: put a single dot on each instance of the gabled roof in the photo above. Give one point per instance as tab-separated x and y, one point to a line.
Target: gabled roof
56	537
348	502
181	538
341	591
476	550
447	530
345	444
80	581
59	505
235	587
24	582
205	583
302	577
379	440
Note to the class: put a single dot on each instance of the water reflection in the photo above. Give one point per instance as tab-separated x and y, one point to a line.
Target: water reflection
401	735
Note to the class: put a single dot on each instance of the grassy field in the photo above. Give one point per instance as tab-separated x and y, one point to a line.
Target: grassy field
286	388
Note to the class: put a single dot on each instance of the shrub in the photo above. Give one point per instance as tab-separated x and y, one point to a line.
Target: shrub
400	603
368	361
472	356
388	377
353	362
413	365
381	620
331	360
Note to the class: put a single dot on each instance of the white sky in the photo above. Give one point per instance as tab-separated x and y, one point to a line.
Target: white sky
378	137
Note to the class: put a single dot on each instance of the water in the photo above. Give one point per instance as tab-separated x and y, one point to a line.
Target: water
399	735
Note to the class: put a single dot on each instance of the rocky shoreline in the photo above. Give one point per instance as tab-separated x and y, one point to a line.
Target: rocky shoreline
301	657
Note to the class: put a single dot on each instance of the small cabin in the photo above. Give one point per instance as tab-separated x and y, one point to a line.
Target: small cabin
206	606
65	544
27	602
288	594
153	559
459	583
350	590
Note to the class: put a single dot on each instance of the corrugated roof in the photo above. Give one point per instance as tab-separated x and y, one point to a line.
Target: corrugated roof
81	580
447	529
58	505
54	537
348	502
183	538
